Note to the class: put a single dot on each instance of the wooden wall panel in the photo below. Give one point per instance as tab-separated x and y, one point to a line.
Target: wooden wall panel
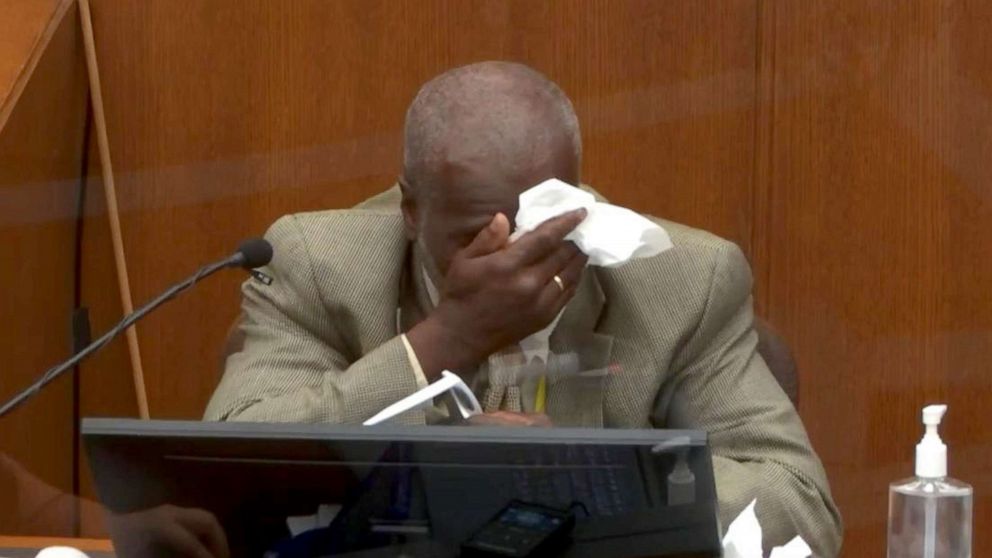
40	161
106	386
25	29
875	223
844	145
224	115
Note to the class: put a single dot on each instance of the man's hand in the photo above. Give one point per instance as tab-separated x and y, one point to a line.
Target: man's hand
508	418
496	293
168	530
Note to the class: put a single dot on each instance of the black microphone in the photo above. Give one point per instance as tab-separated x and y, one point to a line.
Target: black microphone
252	253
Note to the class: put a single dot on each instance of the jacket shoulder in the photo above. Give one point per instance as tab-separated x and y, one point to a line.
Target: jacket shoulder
338	239
354	259
688	265
380	209
670	292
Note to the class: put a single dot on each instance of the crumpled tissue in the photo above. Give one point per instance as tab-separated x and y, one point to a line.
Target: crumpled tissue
610	235
61	552
743	539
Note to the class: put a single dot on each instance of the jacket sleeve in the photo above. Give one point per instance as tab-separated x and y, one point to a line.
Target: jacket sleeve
293	364
760	448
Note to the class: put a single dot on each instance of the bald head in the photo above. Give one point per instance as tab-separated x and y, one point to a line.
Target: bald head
505	114
475	138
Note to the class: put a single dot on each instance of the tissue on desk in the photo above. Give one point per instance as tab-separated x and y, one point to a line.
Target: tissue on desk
610	235
299	524
743	539
61	552
796	548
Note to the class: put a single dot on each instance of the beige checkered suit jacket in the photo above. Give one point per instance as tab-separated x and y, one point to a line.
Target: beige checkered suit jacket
322	345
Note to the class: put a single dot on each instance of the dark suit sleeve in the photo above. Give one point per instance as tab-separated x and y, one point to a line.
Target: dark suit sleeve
760	449
293	366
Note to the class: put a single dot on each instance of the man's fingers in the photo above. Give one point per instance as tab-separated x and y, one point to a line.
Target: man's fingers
207	529
554	297
571	275
571	272
539	420
494	419
492	237
509	418
180	542
557	261
545	239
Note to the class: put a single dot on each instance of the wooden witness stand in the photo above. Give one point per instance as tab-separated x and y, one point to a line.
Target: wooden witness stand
37	543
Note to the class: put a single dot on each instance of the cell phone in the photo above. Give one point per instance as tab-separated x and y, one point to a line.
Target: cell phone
522	529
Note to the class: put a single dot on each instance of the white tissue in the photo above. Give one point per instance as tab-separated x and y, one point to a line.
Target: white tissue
610	235
302	523
449	382
796	548
61	552
743	539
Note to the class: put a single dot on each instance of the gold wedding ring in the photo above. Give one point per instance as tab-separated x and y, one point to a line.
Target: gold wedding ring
560	283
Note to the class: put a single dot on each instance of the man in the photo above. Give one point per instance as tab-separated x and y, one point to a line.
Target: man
368	304
163	530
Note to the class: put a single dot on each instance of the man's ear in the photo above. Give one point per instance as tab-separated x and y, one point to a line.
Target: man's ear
409	207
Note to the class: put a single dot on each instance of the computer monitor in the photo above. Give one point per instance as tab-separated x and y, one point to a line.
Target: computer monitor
417	491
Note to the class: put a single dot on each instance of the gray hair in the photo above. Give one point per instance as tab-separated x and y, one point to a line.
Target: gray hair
511	108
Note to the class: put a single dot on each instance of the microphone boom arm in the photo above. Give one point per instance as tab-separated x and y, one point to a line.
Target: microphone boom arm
54	372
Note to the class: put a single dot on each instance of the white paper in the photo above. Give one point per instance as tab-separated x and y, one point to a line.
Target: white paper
61	552
300	524
465	400
743	539
610	235
326	514
796	548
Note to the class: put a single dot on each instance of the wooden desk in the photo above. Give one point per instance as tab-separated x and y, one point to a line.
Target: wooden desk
16	547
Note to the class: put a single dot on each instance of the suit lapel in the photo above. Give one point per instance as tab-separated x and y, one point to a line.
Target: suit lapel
581	356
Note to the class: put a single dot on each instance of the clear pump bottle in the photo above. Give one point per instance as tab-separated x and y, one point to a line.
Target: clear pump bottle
930	514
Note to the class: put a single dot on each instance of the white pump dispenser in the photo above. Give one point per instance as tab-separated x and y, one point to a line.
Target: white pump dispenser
931	453
930	514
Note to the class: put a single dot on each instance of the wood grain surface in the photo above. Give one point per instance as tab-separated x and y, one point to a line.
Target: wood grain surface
25	30
876	227
222	116
40	161
844	145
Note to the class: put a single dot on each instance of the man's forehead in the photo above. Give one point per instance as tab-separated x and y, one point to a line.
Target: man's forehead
492	182
477	189
471	164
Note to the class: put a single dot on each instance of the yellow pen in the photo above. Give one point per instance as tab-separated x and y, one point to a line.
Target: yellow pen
541	395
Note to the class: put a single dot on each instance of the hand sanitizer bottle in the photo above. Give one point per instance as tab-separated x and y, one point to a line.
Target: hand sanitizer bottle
930	514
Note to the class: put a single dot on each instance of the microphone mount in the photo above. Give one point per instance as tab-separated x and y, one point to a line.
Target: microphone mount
254	253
